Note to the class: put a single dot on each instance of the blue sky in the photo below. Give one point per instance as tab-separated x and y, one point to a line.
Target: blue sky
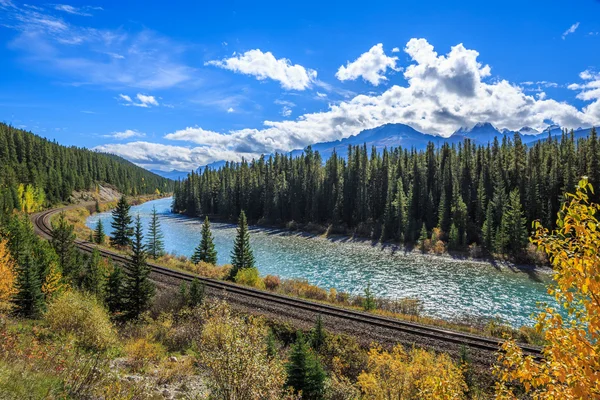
176	85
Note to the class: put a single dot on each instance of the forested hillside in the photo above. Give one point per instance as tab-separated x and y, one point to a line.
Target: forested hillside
473	194
40	171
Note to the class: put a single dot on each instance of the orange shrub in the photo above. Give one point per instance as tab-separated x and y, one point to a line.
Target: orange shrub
272	282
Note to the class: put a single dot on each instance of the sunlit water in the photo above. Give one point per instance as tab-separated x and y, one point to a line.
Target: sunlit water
449	288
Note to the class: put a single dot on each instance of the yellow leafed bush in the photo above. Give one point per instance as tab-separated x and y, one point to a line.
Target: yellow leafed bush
418	374
249	277
7	276
73	313
571	369
141	352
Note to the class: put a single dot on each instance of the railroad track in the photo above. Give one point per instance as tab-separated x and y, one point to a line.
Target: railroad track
43	227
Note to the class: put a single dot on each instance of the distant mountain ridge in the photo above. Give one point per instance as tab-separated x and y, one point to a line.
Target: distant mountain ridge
394	135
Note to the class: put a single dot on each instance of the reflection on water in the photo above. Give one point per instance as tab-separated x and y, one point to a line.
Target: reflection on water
448	288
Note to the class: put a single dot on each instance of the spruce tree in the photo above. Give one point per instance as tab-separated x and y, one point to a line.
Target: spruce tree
305	372
94	280
422	238
29	299
241	256
115	300
369	302
99	233
139	290
319	336
63	242
121	224
206	248
513	225
156	247
196	293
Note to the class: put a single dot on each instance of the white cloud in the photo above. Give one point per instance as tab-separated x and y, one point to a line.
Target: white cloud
147	100
443	92
285	103
143	100
126	134
571	29
167	157
265	65
371	66
321	95
83	54
230	110
72	10
286	111
396	50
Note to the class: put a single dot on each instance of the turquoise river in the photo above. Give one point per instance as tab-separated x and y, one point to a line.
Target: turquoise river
448	288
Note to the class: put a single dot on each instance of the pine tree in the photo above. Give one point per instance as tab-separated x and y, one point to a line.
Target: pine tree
513	226
29	299
94	279
121	224
139	290
488	229
454	238
369	303
63	242
196	293
156	247
241	256
422	238
319	336
305	372
99	233
115	296
271	345
206	249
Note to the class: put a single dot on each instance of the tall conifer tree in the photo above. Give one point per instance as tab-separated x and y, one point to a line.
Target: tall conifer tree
205	251
241	256
121	224
156	247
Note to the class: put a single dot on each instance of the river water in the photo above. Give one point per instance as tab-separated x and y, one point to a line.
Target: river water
449	288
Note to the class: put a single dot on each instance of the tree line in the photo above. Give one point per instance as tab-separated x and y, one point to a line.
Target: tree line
39	171
460	194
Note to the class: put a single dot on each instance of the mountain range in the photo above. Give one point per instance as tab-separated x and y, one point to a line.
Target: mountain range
394	135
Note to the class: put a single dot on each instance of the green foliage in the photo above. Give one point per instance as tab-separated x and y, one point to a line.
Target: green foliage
196	293
115	294
241	256
139	290
156	246
249	277
305	372
29	299
206	249
319	336
121	224
512	235
99	234
95	276
391	194
369	302
63	242
50	172
73	313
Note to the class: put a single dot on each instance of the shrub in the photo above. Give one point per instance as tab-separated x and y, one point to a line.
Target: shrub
73	313
249	277
418	374
272	282
141	352
234	354
301	288
439	247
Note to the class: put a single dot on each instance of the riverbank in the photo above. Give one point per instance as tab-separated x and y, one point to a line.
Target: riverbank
531	260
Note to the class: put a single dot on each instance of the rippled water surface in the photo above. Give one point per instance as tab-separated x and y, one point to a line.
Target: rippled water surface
448	288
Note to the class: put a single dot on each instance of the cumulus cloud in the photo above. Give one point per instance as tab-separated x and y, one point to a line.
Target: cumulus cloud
443	92
571	29
167	157
126	134
396	50
265	65
286	111
143	100
230	110
371	66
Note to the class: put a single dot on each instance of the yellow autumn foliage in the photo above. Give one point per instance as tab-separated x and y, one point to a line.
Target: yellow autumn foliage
53	283
571	366
418	374
8	276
